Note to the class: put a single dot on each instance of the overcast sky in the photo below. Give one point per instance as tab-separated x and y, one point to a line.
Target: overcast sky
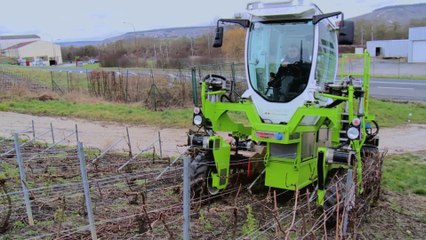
98	19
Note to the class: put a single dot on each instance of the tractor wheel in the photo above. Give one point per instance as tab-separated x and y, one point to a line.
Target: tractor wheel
201	168
336	195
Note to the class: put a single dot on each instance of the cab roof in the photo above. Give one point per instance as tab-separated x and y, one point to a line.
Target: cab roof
261	11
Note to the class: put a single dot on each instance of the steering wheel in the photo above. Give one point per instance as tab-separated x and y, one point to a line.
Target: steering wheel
215	83
213	76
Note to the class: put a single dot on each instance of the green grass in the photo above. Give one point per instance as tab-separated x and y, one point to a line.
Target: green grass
405	173
390	114
92	65
6	60
122	113
44	76
37	75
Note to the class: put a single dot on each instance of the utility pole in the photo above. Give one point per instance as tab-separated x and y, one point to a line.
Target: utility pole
155	55
136	47
167	51
192	47
209	45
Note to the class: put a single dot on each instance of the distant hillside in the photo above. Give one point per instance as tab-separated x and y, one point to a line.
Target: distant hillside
168	33
388	23
165	33
401	14
79	43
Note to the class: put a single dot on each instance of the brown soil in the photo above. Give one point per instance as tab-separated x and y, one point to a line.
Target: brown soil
154	203
396	216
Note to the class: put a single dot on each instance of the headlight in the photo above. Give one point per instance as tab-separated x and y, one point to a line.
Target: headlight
353	133
198	120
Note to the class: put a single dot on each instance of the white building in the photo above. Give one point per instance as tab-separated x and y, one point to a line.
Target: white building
388	48
417	37
8	41
35	53
413	48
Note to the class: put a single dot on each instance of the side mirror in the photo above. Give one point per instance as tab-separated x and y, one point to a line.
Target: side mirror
317	18
346	32
218	38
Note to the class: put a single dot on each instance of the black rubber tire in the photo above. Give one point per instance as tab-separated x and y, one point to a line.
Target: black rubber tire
201	168
335	184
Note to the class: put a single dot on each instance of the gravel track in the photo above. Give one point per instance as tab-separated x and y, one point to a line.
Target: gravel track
98	134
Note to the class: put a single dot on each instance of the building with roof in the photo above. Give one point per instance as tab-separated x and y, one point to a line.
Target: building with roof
30	50
413	48
10	40
417	37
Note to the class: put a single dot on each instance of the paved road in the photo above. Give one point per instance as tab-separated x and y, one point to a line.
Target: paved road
383	88
401	89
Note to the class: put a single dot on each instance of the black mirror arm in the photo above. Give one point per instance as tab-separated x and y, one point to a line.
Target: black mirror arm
245	23
317	18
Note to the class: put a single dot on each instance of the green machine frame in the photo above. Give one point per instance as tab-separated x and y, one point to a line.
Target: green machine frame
295	171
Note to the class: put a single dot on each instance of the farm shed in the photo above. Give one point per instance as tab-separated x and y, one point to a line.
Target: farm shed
417	37
413	48
10	40
388	48
35	53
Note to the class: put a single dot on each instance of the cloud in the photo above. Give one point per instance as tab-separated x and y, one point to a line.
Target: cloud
84	19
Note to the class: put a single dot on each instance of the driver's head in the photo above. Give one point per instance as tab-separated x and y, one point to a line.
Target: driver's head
293	52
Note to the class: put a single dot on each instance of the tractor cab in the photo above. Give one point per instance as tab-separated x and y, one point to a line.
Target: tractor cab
279	58
291	53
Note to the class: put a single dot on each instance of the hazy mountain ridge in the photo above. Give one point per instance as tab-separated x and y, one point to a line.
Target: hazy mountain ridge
165	33
400	14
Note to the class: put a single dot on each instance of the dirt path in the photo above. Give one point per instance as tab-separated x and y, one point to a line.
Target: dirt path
95	133
98	134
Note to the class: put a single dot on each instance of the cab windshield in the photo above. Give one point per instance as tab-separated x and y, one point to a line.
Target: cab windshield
279	58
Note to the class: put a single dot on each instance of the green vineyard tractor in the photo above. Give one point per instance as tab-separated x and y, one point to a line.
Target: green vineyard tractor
302	124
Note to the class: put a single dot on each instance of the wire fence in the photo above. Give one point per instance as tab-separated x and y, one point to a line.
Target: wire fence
49	190
157	89
43	183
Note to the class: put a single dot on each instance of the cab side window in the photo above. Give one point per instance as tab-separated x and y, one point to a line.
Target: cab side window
327	54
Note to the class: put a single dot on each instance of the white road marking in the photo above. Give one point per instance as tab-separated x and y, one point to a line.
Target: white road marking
398	88
399	83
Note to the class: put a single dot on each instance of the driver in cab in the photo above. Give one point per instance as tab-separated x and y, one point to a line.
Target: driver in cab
276	80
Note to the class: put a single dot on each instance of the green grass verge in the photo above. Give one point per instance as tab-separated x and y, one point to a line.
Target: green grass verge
121	113
42	76
390	114
405	173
